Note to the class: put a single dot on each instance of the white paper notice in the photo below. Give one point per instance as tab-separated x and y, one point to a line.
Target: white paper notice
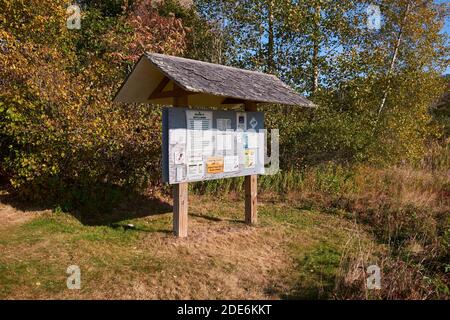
196	170
207	143
199	120
177	136
231	164
251	140
224	141
199	141
223	124
179	174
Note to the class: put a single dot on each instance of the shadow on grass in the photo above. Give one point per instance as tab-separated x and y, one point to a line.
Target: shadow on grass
125	227
216	219
93	205
133	207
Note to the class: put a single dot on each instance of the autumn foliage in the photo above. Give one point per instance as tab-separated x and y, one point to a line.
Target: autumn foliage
58	126
64	143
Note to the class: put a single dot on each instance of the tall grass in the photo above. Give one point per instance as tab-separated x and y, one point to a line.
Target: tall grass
407	208
425	184
323	178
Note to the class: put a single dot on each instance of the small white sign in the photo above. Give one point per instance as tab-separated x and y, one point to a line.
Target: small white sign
179	157
253	123
241	120
196	170
231	164
179	174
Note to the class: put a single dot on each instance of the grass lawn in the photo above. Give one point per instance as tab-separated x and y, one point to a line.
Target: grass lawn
292	253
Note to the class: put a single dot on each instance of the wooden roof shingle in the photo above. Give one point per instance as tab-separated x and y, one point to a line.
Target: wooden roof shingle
208	79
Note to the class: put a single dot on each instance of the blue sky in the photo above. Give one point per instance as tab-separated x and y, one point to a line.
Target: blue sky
447	27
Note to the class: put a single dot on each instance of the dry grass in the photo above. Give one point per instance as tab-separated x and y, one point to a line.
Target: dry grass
222	258
312	242
400	280
408	210
11	216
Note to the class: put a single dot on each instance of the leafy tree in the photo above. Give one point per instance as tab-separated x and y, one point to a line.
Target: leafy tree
373	87
58	127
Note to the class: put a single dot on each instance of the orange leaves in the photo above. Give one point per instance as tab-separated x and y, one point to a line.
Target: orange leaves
57	120
154	33
40	20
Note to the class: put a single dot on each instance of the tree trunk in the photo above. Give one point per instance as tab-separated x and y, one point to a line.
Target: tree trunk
392	65
316	50
271	43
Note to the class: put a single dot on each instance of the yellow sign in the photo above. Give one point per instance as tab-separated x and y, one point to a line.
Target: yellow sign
214	165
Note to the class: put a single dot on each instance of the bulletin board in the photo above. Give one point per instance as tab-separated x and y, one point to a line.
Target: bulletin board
201	145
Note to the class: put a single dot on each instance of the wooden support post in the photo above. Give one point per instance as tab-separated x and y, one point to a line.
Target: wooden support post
180	209
180	191
251	185
251	199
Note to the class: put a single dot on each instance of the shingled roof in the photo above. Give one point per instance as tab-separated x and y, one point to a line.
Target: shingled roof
156	77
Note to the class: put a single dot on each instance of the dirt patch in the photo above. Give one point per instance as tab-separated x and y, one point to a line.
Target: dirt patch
239	261
218	260
14	212
9	216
